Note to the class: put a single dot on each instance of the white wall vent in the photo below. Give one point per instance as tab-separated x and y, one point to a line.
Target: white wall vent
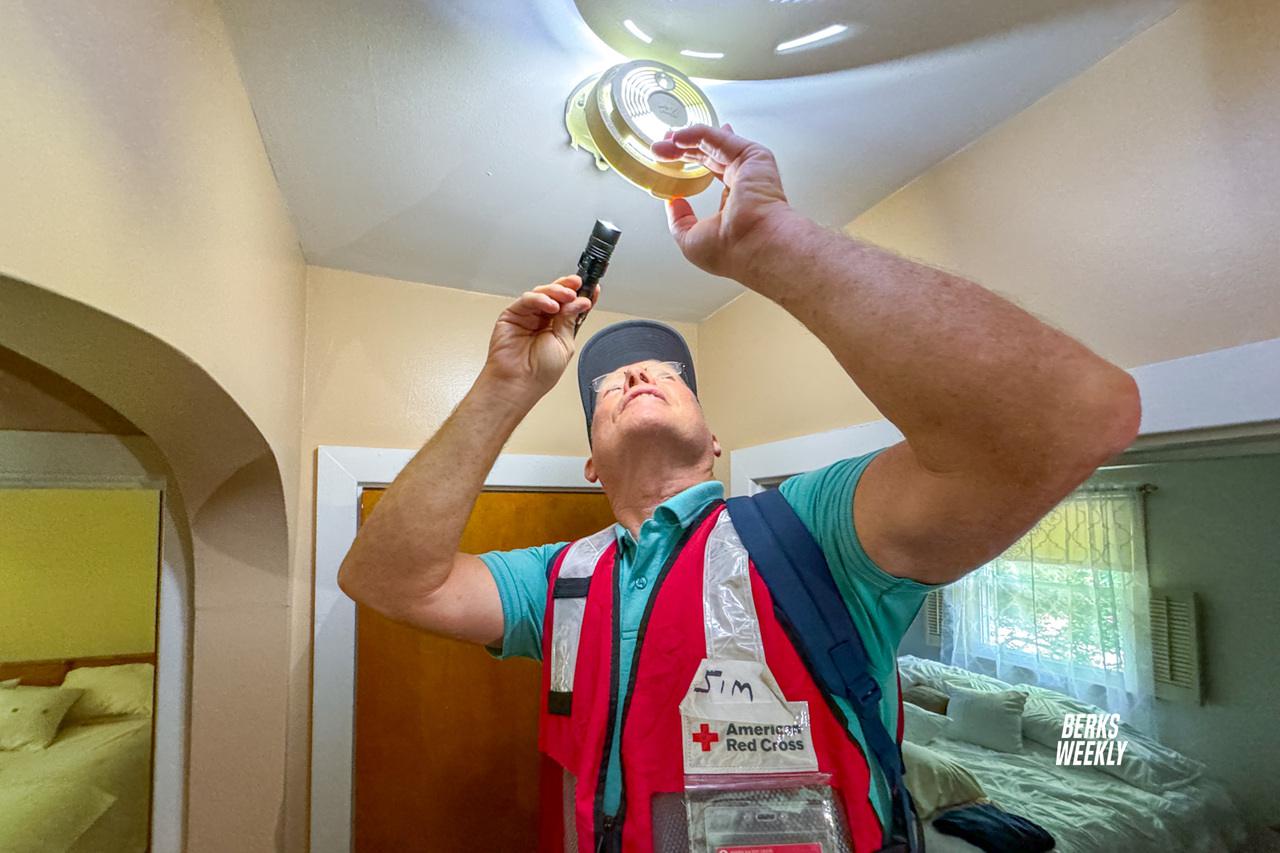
1175	645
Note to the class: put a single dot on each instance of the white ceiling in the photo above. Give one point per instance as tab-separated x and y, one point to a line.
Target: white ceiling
425	140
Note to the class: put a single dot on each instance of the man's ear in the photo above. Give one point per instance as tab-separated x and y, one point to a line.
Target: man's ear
715	445
589	470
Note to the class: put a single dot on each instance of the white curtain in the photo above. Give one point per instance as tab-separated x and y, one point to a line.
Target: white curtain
1066	607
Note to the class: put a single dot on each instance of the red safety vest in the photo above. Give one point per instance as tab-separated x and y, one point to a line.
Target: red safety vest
580	647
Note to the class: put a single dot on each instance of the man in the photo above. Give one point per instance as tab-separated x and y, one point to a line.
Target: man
1003	417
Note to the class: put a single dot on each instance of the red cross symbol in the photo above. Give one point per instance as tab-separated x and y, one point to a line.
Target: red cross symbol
705	737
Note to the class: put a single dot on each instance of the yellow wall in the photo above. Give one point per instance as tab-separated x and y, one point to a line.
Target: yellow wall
1134	207
78	568
134	181
388	360
764	377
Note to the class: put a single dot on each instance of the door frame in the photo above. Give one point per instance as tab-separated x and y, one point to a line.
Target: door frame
1197	400
38	459
342	473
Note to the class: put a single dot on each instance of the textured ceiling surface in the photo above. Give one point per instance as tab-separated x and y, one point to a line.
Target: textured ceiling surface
425	141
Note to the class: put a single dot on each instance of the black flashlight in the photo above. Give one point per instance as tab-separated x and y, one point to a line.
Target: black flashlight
595	260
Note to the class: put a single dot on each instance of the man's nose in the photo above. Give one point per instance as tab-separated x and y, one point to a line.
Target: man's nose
638	375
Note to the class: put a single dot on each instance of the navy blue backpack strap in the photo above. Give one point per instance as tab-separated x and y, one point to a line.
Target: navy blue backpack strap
811	609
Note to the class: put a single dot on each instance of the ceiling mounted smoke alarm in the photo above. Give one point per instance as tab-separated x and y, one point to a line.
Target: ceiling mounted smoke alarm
618	114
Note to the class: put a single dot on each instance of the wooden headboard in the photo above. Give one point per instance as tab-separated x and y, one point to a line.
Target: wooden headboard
51	672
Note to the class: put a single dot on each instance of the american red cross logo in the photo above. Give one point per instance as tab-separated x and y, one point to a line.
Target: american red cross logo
705	737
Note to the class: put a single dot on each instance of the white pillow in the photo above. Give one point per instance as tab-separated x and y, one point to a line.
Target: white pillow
30	716
936	782
111	691
993	720
944	677
921	726
12	682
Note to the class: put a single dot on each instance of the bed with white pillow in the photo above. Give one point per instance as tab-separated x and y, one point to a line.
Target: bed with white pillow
75	762
1004	738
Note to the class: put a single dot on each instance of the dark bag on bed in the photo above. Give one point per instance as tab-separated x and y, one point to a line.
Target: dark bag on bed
994	830
812	611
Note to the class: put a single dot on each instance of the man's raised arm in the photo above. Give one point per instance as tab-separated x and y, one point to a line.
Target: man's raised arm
1003	415
404	562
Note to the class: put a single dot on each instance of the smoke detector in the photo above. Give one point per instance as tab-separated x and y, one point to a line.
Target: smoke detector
619	113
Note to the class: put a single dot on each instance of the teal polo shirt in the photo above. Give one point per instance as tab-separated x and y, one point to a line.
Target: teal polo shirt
882	605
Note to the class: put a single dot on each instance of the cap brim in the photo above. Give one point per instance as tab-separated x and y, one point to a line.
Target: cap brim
626	343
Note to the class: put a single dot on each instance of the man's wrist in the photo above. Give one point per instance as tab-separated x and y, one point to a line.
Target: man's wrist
766	249
512	396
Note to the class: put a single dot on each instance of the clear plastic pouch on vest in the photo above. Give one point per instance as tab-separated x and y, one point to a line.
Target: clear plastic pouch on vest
786	813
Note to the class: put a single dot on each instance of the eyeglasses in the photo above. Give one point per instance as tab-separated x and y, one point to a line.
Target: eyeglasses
664	371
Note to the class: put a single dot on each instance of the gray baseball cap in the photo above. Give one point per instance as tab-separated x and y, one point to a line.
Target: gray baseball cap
626	343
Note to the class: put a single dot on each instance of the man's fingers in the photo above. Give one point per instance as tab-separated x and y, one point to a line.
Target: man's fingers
582	304
562	324
562	290
528	322
669	150
719	143
703	159
665	149
532	302
558	292
556	299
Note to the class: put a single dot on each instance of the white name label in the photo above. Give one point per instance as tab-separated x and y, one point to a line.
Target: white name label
735	720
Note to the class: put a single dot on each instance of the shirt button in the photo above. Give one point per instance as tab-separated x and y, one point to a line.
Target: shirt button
641	583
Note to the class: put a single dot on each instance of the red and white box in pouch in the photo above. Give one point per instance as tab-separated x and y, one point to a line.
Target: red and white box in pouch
773	848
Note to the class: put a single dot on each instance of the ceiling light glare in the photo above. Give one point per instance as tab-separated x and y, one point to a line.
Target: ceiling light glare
821	35
702	54
618	114
636	31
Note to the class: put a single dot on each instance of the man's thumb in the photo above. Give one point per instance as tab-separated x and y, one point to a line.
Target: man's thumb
680	218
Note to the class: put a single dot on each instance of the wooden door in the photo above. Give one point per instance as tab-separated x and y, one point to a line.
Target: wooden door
446	736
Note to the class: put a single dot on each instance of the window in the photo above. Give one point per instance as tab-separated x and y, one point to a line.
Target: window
1065	607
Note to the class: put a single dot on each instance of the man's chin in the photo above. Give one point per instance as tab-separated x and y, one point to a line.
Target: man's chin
650	423
652	437
645	422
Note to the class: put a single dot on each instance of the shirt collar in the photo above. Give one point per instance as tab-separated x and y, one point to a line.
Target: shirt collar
681	508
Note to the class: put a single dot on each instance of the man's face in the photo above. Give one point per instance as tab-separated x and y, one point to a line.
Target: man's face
647	401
